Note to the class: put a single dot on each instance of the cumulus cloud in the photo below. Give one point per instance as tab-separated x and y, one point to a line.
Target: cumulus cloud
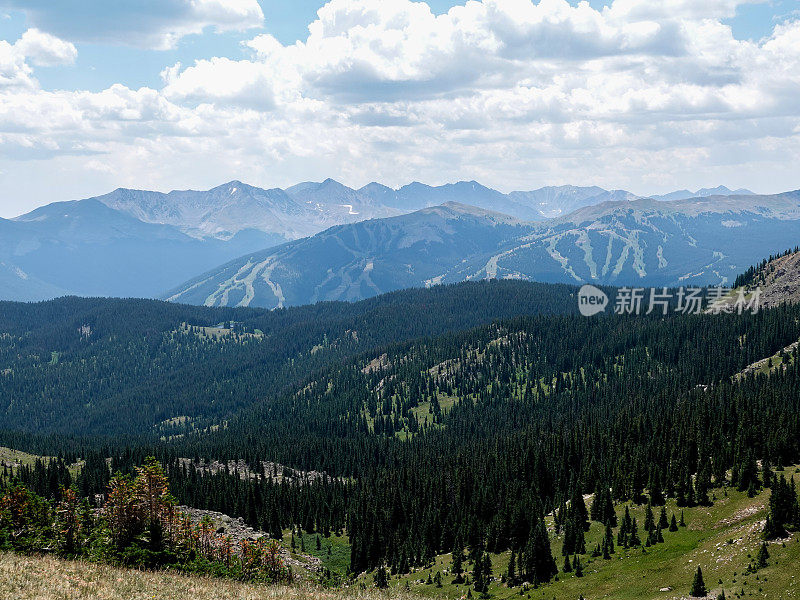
675	9
45	50
514	93
14	71
33	48
154	24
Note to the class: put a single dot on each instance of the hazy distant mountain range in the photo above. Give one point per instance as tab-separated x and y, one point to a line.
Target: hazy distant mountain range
638	242
139	243
703	193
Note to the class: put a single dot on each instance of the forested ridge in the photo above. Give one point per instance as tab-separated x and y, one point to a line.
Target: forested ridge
460	439
105	367
540	409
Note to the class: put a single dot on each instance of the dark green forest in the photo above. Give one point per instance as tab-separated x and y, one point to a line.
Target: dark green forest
443	420
105	367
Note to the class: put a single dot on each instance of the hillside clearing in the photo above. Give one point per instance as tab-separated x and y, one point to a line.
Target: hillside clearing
722	539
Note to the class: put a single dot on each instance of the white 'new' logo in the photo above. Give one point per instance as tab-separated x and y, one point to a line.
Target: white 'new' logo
591	300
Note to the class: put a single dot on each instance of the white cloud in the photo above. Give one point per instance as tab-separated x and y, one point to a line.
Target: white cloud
676	9
34	47
154	24
45	50
14	72
516	94
221	80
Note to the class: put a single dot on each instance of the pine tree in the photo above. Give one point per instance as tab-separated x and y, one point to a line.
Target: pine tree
698	585
381	578
625	528
570	538
608	542
763	557
766	473
773	530
663	523
539	564
477	569
487	572
634	539
457	567
577	566
649	519
511	573
596	511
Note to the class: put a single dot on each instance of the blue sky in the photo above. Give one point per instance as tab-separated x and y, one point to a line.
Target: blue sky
159	94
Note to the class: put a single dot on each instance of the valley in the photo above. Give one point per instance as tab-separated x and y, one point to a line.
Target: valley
478	423
399	300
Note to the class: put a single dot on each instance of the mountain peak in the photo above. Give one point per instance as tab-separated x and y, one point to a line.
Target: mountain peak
233	186
720	190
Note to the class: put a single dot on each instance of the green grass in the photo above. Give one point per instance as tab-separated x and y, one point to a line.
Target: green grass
12	457
334	551
775	362
8	455
218	333
717	538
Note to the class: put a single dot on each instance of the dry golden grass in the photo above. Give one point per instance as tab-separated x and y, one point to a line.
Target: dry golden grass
45	578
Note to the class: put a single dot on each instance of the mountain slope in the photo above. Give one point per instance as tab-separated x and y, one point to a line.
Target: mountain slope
629	242
140	243
171	360
551	202
356	261
221	212
88	248
778	279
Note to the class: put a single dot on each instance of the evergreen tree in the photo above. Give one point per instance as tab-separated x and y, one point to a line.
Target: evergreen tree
457	567
763	557
649	519
633	538
477	570
381	579
608	543
539	564
663	523
511	573
673	524
698	585
577	566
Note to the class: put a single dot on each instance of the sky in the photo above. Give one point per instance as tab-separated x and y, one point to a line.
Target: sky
517	94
